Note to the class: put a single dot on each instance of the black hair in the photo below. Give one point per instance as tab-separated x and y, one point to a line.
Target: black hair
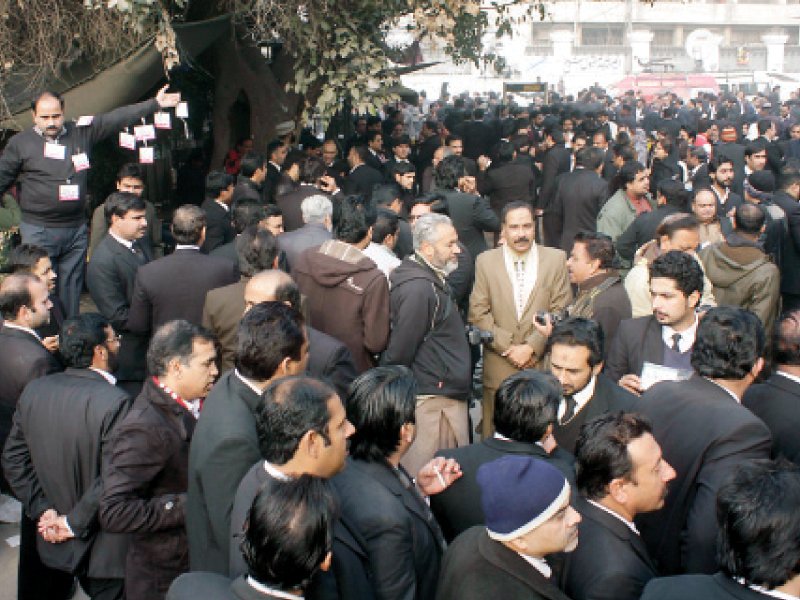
750	218
174	339
717	161
448	172
666	144
598	246
399	168
525	405
380	402
268	333
216	183
250	163
601	451
350	221
786	346
291	407
682	268
256	249
729	342
789	175
289	531
516	205
120	203
372	134
759	525
247	213
362	152
589	157
311	169
132	170
675	193
15	292
288	292
79	337
25	256
763	125
294	157
505	151
556	134
188	222
273	146
627	174
675	222
579	331
386	224
386	194
754	147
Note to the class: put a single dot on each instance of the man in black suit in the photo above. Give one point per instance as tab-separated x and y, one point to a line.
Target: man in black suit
775	401
249	185
506	180
27	258
217	207
175	286
317	213
285	545
787	199
575	348
52	457
246	213
525	408
728	151
276	155
329	360
110	278
556	160
271	343
362	177
705	434
578	200
375	157
456	143
666	338
24	305
479	137
620	473
311	170
528	516
758	542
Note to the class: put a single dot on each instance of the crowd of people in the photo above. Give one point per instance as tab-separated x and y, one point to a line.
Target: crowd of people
280	406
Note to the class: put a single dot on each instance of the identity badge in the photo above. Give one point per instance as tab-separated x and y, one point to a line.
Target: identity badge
182	110
84	121
144	133
163	121
146	155
80	161
127	140
69	193
55	151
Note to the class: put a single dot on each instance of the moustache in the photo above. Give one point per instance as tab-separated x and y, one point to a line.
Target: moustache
521	239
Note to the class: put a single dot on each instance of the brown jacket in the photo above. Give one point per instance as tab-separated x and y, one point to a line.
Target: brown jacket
145	477
222	312
347	297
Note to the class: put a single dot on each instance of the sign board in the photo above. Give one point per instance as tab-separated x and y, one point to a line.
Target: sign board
525	88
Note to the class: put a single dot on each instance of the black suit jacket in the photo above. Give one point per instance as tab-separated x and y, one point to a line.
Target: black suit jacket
53	458
227	251
403	542
110	278
777	403
555	162
637	341
642	230
790	249
224	447
471	217
330	360
611	561
211	586
175	287
476	567
294	243
362	180
509	182
459	507
578	200
246	190
479	137
707	587
735	152
219	229
704	434
290	202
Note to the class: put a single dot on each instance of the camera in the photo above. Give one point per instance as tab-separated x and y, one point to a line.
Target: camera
555	317
477	336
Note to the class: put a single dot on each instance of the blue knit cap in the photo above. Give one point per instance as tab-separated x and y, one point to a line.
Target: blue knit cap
519	493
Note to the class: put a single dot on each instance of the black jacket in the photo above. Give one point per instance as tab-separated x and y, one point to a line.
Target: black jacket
459	507
224	447
790	249
210	586
580	196
555	162
53	458
246	190
330	360
508	182
290	202
476	567
637	341
38	177
219	229
471	217
642	230
427	332
362	180
704	434
403	541
777	403
175	287
707	587
145	476
611	561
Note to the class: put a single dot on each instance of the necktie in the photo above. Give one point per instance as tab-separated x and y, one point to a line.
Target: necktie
569	409
676	339
138	252
519	267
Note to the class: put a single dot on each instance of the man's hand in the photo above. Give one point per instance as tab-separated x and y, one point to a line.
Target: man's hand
545	329
438	475
53	527
166	100
632	383
51	343
520	356
328	184
549	443
468	185
484	162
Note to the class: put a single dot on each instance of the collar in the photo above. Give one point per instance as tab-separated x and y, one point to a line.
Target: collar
223	205
187	247
629	524
276	165
106	375
539	564
22	328
439	272
248	382
596	279
722	387
271	591
514	256
191	406
583	396
687	336
723	198
58	136
502	438
275	473
762	590
127	243
794	378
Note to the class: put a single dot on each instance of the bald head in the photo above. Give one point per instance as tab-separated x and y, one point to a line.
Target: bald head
266	287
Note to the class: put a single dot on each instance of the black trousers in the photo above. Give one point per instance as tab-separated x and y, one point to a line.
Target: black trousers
37	581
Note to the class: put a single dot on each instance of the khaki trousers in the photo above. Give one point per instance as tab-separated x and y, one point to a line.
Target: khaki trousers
441	423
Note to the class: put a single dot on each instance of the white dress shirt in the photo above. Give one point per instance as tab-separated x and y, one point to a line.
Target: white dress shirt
687	336
581	398
531	271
